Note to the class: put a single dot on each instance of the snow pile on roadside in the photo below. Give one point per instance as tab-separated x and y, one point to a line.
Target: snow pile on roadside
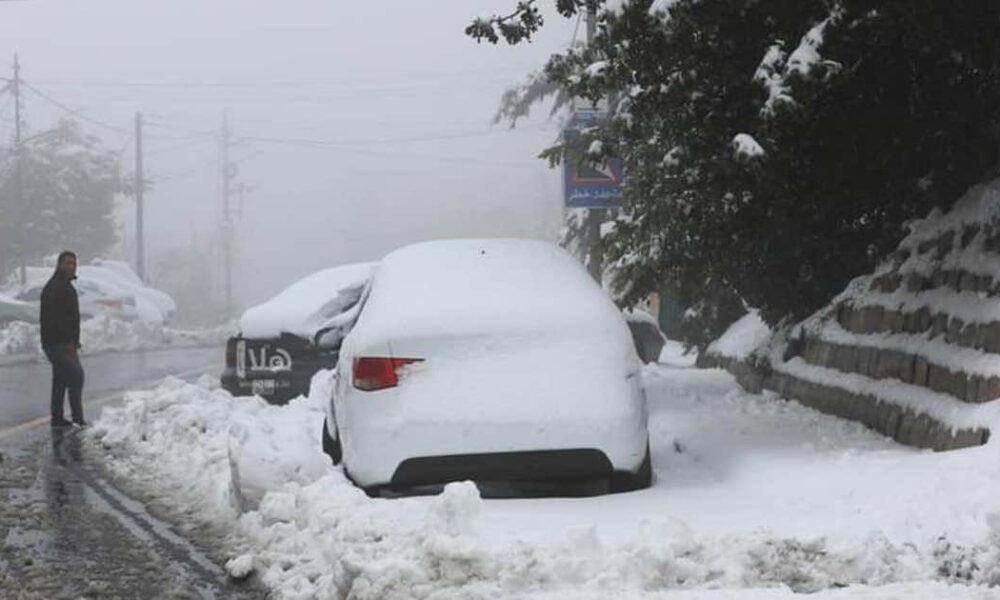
105	334
752	492
921	591
675	354
240	447
742	338
19	337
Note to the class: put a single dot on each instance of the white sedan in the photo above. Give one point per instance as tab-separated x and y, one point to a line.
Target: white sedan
492	361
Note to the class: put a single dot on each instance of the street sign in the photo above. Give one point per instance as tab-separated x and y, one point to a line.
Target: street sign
589	185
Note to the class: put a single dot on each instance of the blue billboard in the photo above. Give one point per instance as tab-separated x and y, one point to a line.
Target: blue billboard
589	185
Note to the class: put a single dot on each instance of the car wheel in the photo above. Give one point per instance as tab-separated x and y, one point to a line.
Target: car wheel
623	481
331	446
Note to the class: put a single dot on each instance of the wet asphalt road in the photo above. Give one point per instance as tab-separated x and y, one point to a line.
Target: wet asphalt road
24	387
66	531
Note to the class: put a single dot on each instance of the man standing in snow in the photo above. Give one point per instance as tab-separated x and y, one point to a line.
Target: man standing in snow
60	320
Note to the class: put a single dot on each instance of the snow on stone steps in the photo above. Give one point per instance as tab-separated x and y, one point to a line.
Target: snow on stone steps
920	335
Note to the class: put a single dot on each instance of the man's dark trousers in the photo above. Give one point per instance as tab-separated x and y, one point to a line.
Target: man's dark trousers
67	374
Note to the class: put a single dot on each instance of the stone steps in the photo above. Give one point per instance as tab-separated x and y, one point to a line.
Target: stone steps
911	368
900	423
920	337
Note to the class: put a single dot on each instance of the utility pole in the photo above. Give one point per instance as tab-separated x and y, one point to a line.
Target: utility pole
140	184
228	173
595	216
18	168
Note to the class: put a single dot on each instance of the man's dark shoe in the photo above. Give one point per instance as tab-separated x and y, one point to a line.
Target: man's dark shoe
80	423
61	423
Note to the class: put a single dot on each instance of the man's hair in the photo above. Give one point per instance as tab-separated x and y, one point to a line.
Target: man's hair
64	254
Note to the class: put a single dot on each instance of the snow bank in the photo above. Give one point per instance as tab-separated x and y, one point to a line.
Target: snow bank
921	591
674	354
754	498
307	305
742	338
105	334
20	337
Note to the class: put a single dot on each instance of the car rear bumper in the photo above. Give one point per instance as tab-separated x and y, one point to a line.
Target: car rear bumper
423	453
286	385
538	465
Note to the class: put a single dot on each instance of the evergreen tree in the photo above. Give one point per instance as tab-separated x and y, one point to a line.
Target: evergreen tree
774	150
69	184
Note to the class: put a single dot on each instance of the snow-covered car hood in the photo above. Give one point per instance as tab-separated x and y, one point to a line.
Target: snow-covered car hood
309	305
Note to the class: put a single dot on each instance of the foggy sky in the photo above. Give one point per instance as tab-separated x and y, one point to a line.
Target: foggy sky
401	98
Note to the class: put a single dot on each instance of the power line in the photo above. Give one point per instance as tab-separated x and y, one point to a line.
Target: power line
78	113
191	134
399	140
75	112
330	145
184	173
416	79
185	143
355	147
125	146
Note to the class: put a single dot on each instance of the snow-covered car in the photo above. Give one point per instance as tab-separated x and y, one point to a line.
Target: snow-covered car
15	310
106	289
98	297
284	341
488	360
120	274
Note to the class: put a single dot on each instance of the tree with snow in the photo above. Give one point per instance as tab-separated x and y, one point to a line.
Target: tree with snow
775	150
69	184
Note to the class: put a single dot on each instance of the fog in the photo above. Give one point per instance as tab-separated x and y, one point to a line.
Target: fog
357	127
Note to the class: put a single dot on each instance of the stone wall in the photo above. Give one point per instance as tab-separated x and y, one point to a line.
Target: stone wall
880	332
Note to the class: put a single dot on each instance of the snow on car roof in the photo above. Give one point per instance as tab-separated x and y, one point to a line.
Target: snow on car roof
106	277
483	286
305	307
100	279
120	268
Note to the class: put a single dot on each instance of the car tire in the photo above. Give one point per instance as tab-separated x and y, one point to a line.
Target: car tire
624	481
331	446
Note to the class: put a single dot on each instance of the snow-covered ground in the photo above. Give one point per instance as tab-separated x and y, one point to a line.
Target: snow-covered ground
105	334
754	498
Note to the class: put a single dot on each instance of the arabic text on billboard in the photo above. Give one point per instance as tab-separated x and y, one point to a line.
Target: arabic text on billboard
590	185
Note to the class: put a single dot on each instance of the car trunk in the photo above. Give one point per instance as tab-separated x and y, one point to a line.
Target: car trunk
494	390
276	369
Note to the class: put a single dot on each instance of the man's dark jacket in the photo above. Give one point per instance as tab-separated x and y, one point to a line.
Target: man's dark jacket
60	312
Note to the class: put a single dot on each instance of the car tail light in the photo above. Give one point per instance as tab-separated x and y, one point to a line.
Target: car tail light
378	372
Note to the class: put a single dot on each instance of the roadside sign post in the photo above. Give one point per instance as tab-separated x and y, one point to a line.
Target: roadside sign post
588	185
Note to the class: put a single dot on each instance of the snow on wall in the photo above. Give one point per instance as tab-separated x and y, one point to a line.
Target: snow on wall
921	333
